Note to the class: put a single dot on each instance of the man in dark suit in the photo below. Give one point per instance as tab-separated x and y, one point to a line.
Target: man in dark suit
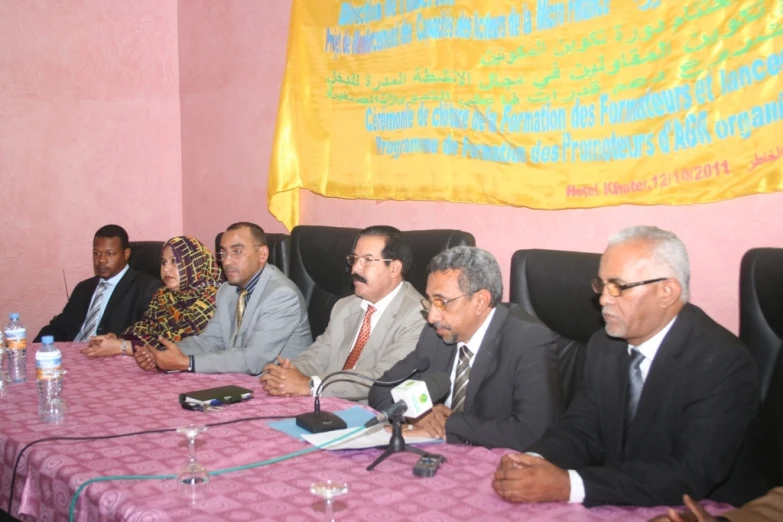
109	302
502	362
668	402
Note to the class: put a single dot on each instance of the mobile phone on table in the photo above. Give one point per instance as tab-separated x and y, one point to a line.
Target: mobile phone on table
428	465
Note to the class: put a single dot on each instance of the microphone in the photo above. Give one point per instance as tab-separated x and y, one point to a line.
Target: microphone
319	422
414	396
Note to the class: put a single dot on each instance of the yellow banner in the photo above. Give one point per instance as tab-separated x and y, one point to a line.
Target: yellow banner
542	104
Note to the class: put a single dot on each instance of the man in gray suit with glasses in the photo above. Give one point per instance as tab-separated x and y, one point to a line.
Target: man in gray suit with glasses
260	315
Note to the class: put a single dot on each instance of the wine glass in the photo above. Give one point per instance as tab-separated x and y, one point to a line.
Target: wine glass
193	477
328	490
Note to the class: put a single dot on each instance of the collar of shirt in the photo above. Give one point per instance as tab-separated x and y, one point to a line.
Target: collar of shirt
475	342
380	306
251	285
116	278
649	348
473	345
383	304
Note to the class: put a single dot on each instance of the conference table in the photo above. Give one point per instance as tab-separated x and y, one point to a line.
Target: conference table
112	396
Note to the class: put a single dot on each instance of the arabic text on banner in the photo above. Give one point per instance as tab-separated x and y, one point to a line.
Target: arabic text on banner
539	103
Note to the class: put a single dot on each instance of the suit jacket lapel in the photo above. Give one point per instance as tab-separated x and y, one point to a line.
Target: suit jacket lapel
123	285
351	324
486	358
253	303
658	378
378	335
614	381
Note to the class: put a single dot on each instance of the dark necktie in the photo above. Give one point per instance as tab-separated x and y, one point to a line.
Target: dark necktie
91	319
240	313
635	385
364	336
461	378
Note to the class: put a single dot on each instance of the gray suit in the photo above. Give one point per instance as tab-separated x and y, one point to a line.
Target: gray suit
275	323
393	338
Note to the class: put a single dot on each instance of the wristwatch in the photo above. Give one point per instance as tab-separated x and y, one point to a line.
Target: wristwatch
124	347
311	384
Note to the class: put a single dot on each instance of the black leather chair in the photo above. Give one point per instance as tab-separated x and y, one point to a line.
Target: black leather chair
554	286
145	257
426	244
279	250
319	269
761	329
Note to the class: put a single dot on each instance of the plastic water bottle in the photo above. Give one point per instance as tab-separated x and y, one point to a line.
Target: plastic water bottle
16	341
4	380
48	370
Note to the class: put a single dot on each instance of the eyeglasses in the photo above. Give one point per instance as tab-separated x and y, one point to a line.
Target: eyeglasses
364	261
438	303
236	253
615	289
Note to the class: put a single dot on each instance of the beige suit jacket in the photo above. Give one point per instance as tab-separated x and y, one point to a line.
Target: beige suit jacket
768	508
394	337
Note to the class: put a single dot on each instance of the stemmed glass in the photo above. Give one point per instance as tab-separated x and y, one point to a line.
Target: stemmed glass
193	477
328	490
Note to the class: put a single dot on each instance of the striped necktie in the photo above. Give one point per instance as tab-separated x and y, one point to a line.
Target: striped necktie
91	320
635	385
240	313
461	379
364	336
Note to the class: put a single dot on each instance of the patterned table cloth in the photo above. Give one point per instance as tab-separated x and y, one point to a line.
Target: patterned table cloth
113	396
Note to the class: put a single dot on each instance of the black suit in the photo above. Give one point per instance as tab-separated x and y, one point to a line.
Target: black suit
127	304
512	394
700	397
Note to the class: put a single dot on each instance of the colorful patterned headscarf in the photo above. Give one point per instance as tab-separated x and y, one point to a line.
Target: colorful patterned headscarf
177	315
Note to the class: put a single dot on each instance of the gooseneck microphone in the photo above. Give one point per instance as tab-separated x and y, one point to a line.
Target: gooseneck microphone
319	422
438	386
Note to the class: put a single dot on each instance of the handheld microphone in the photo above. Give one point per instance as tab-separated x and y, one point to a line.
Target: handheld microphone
319	422
415	397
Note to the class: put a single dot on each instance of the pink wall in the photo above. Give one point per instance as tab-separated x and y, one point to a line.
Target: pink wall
232	56
230	84
89	134
116	111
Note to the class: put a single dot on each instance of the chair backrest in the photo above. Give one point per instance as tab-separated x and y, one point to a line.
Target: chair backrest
145	257
279	250
319	269
426	244
761	329
761	309
554	286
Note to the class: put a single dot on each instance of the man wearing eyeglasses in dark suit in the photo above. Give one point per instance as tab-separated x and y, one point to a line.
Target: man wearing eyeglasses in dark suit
668	402
260	314
502	362
368	332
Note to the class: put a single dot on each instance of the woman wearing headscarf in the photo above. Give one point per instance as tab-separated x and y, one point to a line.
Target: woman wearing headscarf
180	308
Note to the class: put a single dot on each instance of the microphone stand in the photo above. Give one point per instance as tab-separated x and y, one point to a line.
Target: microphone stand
396	444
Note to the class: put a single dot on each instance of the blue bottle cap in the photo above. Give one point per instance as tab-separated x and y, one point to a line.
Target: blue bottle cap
47	339
14	316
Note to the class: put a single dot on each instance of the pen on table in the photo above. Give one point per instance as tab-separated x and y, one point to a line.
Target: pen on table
277	362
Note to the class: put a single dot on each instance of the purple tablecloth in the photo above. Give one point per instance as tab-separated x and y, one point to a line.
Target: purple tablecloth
113	396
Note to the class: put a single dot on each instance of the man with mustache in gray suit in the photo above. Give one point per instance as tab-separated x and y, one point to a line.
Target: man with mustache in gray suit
368	331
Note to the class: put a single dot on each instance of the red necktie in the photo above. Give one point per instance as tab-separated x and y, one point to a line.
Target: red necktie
364	335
